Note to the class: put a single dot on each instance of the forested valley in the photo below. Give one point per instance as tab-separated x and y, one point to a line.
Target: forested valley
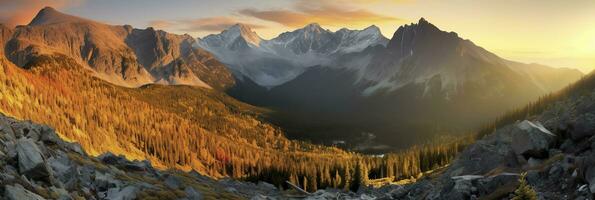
192	128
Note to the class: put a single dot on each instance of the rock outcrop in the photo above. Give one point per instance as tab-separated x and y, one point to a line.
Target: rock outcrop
555	148
36	164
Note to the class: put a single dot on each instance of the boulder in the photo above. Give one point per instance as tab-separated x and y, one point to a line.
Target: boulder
266	186
172	182
531	139
11	150
6	128
534	162
49	136
110	158
463	187
586	169
76	147
31	162
590	177
138	165
103	182
17	192
584	126
62	193
127	193
192	194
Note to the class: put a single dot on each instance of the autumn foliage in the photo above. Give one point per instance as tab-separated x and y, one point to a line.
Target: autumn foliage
189	128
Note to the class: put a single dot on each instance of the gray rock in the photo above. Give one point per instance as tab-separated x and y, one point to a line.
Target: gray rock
172	182
553	152
583	127
11	150
59	163
555	171
6	128
534	162
137	166
17	192
127	193
266	186
76	147
464	184
587	166
485	155
532	176
260	197
62	193
490	184
567	146
110	158
49	136
105	181
31	162
192	194
531	139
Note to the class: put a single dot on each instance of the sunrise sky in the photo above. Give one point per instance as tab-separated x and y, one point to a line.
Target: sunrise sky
552	32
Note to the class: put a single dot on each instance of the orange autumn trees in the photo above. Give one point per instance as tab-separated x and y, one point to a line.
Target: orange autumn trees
186	128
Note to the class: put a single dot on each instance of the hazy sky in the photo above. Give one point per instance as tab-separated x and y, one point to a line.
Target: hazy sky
553	32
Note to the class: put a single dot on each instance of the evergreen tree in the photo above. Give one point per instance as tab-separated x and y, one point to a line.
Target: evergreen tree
524	191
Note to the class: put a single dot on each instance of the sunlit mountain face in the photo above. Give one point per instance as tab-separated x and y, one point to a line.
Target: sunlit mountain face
303	99
400	92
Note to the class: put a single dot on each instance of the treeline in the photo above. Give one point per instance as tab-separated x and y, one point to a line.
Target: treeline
190	129
350	174
585	85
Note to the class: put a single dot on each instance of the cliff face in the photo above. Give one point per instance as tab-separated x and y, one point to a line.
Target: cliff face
119	54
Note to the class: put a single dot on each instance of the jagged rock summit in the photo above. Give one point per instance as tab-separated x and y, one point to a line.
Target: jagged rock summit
119	54
49	15
273	62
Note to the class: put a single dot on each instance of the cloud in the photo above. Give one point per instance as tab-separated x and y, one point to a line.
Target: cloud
209	24
161	24
329	12
19	12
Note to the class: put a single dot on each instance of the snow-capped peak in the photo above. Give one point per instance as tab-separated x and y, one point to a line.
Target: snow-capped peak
275	61
313	27
244	31
235	37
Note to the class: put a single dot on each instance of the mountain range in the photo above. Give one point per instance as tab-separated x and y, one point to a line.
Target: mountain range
119	54
273	62
423	82
320	85
146	114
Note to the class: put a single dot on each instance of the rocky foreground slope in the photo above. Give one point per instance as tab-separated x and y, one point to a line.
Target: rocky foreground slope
555	147
36	164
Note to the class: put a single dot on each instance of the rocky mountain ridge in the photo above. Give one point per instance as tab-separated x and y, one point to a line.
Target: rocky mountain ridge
119	54
411	88
278	60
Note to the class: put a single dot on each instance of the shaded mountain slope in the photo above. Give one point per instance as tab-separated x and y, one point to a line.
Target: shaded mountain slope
425	82
551	140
